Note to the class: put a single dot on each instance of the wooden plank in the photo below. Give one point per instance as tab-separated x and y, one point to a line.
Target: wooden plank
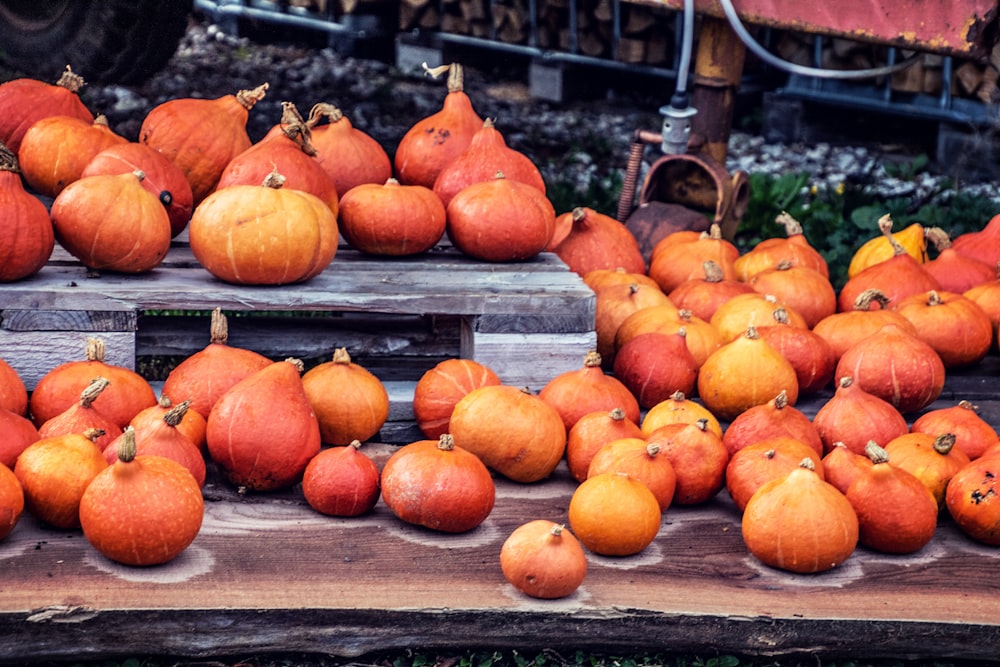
267	574
528	360
33	355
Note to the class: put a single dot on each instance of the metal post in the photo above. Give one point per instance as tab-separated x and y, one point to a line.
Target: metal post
718	69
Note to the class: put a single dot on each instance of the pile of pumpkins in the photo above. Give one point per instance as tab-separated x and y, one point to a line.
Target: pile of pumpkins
264	213
702	354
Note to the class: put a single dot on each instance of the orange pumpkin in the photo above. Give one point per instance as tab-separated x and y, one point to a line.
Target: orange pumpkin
672	262
743	373
438	485
191	424
591	432
615	303
803	289
18	432
11	501
774	419
613	514
126	500
953	271
842	466
263	234
973	499
678	409
810	354
933	460
350	402
392	219
732	318
163	438
513	431
653	366
82	416
800	523
698	457
987	296
438	139
703	296
13	393
201	136
26	237
869	314
500	220
983	245
55	150
112	222
884	246
542	559
639	460
55	472
598	278
794	247
700	337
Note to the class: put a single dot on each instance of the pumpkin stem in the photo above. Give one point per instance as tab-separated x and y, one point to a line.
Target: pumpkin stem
95	349
219	328
713	272
677	396
845	382
865	299
175	415
93	434
557	529
322	110
701	424
807	463
653	448
781	400
341	356
785	264
682	332
248	98
70	80
876	453
102	120
93	390
296	362
944	443
8	161
579	214
780	315
165	402
446	442
592	359
617	414
885	226
126	446
752	333
274	180
792	226
489	124
933	298
356	444
456	79
938	237
296	129
968	405
770	454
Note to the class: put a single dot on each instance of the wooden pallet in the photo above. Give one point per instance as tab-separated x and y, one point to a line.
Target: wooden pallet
397	317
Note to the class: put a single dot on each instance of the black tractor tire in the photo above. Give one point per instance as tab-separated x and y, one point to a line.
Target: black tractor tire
104	41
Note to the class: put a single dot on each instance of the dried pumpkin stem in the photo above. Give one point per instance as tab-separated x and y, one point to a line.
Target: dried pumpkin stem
294	126
93	390
322	110
944	443
95	349
126	445
70	80
792	226
219	328
175	415
8	161
248	98
938	237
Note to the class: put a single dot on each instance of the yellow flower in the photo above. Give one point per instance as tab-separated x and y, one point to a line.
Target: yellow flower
840	188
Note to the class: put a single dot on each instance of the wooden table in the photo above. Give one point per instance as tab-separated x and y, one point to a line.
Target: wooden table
267	574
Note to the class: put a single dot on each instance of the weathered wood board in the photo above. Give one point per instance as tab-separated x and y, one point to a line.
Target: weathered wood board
267	574
528	320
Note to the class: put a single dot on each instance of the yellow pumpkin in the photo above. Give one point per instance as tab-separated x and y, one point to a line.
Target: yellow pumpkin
879	249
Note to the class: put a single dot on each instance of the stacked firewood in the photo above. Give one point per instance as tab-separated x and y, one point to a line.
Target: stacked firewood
971	79
646	33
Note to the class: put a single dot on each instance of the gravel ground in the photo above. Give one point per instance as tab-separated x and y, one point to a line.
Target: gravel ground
583	143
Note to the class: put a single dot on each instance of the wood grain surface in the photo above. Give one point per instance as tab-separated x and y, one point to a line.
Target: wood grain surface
267	573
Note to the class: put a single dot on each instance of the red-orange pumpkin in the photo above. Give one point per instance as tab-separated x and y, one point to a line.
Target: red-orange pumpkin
18	432
774	419
287	148
671	263
201	136
640	460
587	240
956	327
82	416
933	459
983	245
438	485
350	156
953	271
591	432
794	247
191	424
698	456
500	220
810	354
341	481
758	463
441	387
575	393
25	101
852	417
973	499
703	295
486	154
162	437
263	234
803	289
392	219
653	366
161	177
262	432
869	314
543	559
438	139
973	434
26	236
112	222
13	393
11	501
206	375
616	302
